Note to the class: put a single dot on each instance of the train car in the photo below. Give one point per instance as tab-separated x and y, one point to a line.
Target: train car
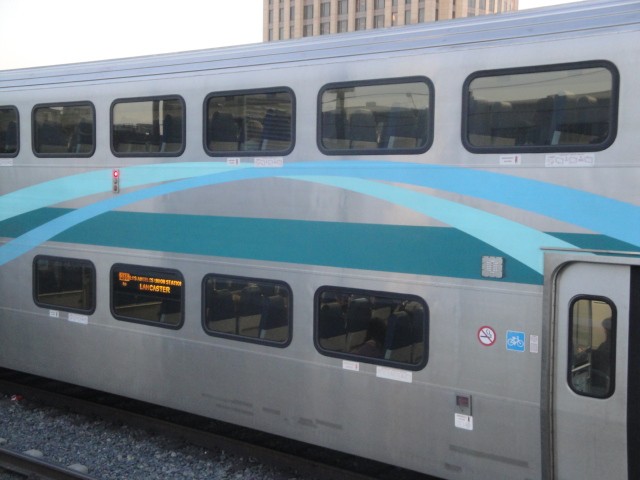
419	245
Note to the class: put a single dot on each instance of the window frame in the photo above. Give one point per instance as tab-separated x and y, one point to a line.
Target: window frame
148	271
372	83
612	355
246	338
561	148
80	263
248	153
148	99
17	122
84	103
400	297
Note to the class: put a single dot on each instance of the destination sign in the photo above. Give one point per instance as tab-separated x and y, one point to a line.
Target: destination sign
164	285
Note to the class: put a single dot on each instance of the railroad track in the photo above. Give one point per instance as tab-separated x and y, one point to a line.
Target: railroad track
306	461
32	467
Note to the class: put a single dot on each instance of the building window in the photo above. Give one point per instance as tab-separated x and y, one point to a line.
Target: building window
378	21
254	310
407	17
148	126
308	12
148	295
373	327
343	7
379	4
569	107
9	132
592	327
307	31
64	284
342	26
361	6
376	117
325	9
66	129
325	28
361	23
247	122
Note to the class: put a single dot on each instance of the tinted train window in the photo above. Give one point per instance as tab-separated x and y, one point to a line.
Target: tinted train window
250	122
556	108
64	130
64	284
247	309
383	328
9	139
148	127
147	295
592	347
382	116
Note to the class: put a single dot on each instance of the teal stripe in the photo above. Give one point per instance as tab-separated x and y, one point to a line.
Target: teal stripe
436	251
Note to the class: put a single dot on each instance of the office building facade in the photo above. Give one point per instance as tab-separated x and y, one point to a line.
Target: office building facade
285	19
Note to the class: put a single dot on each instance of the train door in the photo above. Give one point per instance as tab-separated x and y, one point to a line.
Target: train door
595	387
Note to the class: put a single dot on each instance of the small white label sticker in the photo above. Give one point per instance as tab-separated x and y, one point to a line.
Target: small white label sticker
54	313
267	162
465	422
394	374
352	366
76	318
511	159
570	160
533	343
233	161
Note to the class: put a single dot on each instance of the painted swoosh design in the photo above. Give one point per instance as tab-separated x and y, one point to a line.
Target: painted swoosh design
610	217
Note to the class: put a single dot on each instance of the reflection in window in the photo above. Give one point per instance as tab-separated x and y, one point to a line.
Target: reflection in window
146	127
147	295
377	116
553	108
249	309
372	327
64	284
8	131
250	122
64	130
592	347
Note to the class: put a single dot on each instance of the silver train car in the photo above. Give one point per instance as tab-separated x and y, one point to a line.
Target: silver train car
419	245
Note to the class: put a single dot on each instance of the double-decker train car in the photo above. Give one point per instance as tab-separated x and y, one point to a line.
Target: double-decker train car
419	245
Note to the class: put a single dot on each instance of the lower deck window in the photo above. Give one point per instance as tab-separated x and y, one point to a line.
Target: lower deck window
247	309
64	283
382	328
592	347
147	295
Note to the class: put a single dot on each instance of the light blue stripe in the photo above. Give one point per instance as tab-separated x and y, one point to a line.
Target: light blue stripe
100	181
520	242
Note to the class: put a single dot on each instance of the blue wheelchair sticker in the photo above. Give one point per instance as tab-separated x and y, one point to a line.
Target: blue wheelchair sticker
515	341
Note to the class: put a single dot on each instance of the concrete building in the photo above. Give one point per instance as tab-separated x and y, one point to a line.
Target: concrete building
284	19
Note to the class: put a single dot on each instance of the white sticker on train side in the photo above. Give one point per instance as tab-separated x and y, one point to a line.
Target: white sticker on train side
533	343
570	160
514	159
352	366
54	313
394	374
76	318
6	162
269	162
464	422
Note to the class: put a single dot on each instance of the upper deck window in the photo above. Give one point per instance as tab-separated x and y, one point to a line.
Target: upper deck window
571	107
376	117
9	139
64	130
148	127
250	122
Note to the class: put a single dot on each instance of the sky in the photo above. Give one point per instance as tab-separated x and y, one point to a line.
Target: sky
50	32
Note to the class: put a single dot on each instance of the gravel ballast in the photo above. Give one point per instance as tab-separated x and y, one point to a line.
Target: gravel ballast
116	452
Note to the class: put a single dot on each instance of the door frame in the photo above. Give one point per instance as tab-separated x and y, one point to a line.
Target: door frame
554	263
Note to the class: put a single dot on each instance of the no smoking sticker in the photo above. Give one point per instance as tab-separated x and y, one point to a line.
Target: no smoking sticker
487	336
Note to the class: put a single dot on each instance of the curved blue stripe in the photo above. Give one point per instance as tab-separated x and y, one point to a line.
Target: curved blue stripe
90	183
489	228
